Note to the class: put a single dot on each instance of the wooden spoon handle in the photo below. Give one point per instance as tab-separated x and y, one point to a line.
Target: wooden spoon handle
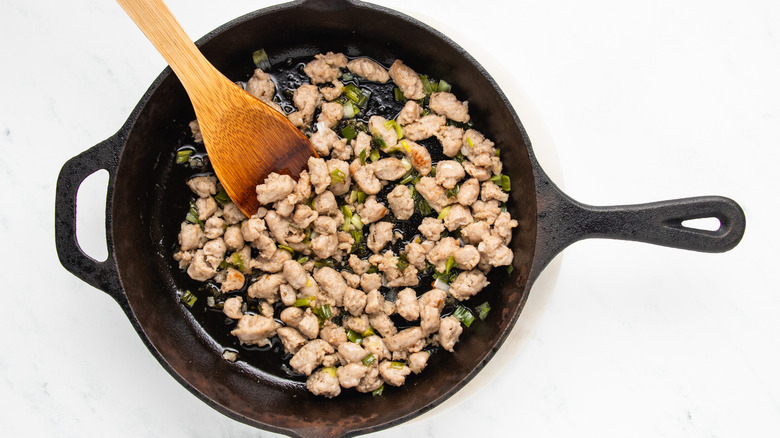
166	34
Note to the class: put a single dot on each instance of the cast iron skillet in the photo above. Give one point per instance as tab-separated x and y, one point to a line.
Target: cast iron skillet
145	203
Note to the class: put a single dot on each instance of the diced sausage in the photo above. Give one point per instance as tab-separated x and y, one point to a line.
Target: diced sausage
449	106
368	69
407	80
255	329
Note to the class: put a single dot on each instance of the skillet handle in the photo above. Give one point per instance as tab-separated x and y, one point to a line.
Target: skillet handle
563	221
102	275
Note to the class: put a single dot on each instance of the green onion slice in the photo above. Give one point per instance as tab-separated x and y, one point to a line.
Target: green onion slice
453	192
330	370
444	212
304	302
427	86
324	262
449	265
188	299
357	222
238	261
502	181
354	336
375	154
362	156
222	198
183	156
337	176
444	86
398	95
260	58
378	392
397	365
464	315
323	312
286	248
369	332
348	132
369	359
398	130
483	310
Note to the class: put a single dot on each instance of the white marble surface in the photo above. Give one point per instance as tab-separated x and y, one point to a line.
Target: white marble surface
643	100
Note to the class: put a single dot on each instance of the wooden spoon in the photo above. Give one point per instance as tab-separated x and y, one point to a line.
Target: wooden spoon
245	138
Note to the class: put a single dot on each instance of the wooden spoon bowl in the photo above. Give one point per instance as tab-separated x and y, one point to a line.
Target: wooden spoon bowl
245	138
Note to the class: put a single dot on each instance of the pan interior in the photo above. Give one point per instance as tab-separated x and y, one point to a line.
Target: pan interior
150	198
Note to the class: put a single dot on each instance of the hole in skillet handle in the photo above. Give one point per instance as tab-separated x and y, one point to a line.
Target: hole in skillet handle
703	224
91	216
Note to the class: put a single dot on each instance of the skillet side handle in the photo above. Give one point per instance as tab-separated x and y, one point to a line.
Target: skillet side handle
102	275
563	221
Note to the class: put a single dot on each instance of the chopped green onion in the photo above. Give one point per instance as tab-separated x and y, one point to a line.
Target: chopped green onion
380	142
483	310
303	260
427	87
453	192
347	218
324	262
410	176
337	176
460	158
347	76
444	86
375	155
372	270
464	315
509	269
357	235
422	205
354	336
402	262
356	95
330	370
369	332
238	261
357	196
260	58
368	360
183	156
356	221
398	95
441	284
222	198
378	392
444	212
398	130
307	237
471	143
188	299
192	215
323	312
362	156
350	110
396	365
449	265
286	248
349	132
502	181
498	152
304	302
